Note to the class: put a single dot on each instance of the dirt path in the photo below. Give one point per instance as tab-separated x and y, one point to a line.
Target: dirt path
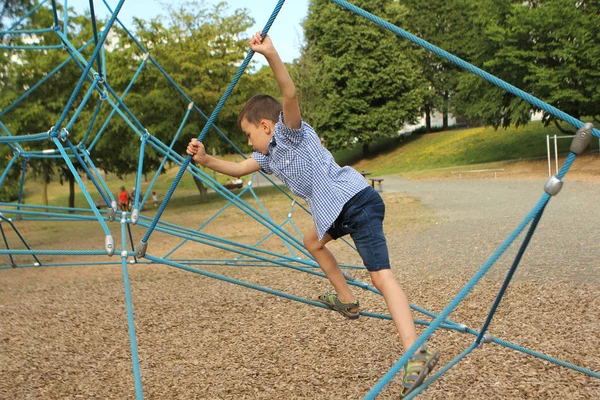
475	216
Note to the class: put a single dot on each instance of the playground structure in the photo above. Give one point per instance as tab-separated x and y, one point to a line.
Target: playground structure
297	259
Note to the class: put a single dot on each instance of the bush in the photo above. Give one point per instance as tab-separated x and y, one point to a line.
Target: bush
9	193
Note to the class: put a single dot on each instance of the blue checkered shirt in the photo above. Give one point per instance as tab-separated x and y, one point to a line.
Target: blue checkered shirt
298	159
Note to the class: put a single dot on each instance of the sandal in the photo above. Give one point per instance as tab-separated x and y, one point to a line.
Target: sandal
332	301
419	366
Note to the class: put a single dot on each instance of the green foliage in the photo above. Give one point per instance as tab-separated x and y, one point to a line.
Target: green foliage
546	48
200	49
362	82
446	24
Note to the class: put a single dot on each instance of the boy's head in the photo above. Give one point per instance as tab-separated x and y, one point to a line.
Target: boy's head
260	106
258	118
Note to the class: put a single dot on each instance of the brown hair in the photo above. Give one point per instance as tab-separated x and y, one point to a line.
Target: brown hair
260	106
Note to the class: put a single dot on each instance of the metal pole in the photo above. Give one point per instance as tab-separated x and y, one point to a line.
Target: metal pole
548	149
556	154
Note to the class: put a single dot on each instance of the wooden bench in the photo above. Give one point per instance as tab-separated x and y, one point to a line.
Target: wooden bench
495	171
234	185
379	183
99	203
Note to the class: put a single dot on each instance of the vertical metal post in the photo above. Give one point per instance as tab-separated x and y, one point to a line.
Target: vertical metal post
556	153
548	150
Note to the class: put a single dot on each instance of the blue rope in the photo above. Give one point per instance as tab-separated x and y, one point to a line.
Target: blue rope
185	96
54	13
209	123
27	31
36	137
8	167
87	68
93	16
48	76
130	322
21	238
10	257
127	89
138	180
92	122
164	160
510	274
82	186
89	174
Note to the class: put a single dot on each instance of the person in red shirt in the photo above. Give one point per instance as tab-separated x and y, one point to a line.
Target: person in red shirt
123	199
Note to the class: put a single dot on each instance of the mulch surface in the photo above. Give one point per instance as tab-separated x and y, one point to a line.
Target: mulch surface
63	330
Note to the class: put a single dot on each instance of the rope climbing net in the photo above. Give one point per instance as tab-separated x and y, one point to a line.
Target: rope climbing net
296	257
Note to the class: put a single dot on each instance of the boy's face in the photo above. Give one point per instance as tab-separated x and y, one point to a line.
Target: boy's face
259	135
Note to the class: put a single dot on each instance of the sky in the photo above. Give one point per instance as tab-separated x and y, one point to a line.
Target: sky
286	31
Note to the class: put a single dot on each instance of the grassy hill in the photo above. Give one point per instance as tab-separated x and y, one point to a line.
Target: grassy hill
455	148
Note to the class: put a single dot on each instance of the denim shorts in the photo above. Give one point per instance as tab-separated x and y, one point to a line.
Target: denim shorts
362	218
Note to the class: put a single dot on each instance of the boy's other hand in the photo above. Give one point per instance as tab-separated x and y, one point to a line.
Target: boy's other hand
260	45
196	150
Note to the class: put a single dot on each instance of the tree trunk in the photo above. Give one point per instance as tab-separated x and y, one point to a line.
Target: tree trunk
445	113
427	118
201	189
71	179
45	175
365	150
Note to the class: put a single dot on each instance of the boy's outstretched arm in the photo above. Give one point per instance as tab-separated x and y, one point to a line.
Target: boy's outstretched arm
291	108
237	169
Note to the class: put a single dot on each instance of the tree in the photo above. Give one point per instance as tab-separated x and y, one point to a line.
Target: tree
42	108
200	49
366	80
12	8
546	48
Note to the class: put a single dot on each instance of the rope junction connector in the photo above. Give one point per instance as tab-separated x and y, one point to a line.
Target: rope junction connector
190	106
135	216
582	138
140	250
553	186
52	132
462	327
98	77
348	276
487	338
111	214
64	134
109	245
146	56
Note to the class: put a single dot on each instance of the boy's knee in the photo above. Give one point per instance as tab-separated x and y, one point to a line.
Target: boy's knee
311	243
379	278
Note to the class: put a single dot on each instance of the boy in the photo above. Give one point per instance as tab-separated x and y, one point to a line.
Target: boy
340	200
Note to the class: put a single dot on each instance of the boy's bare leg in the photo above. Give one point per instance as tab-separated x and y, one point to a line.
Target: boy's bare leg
398	305
328	264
